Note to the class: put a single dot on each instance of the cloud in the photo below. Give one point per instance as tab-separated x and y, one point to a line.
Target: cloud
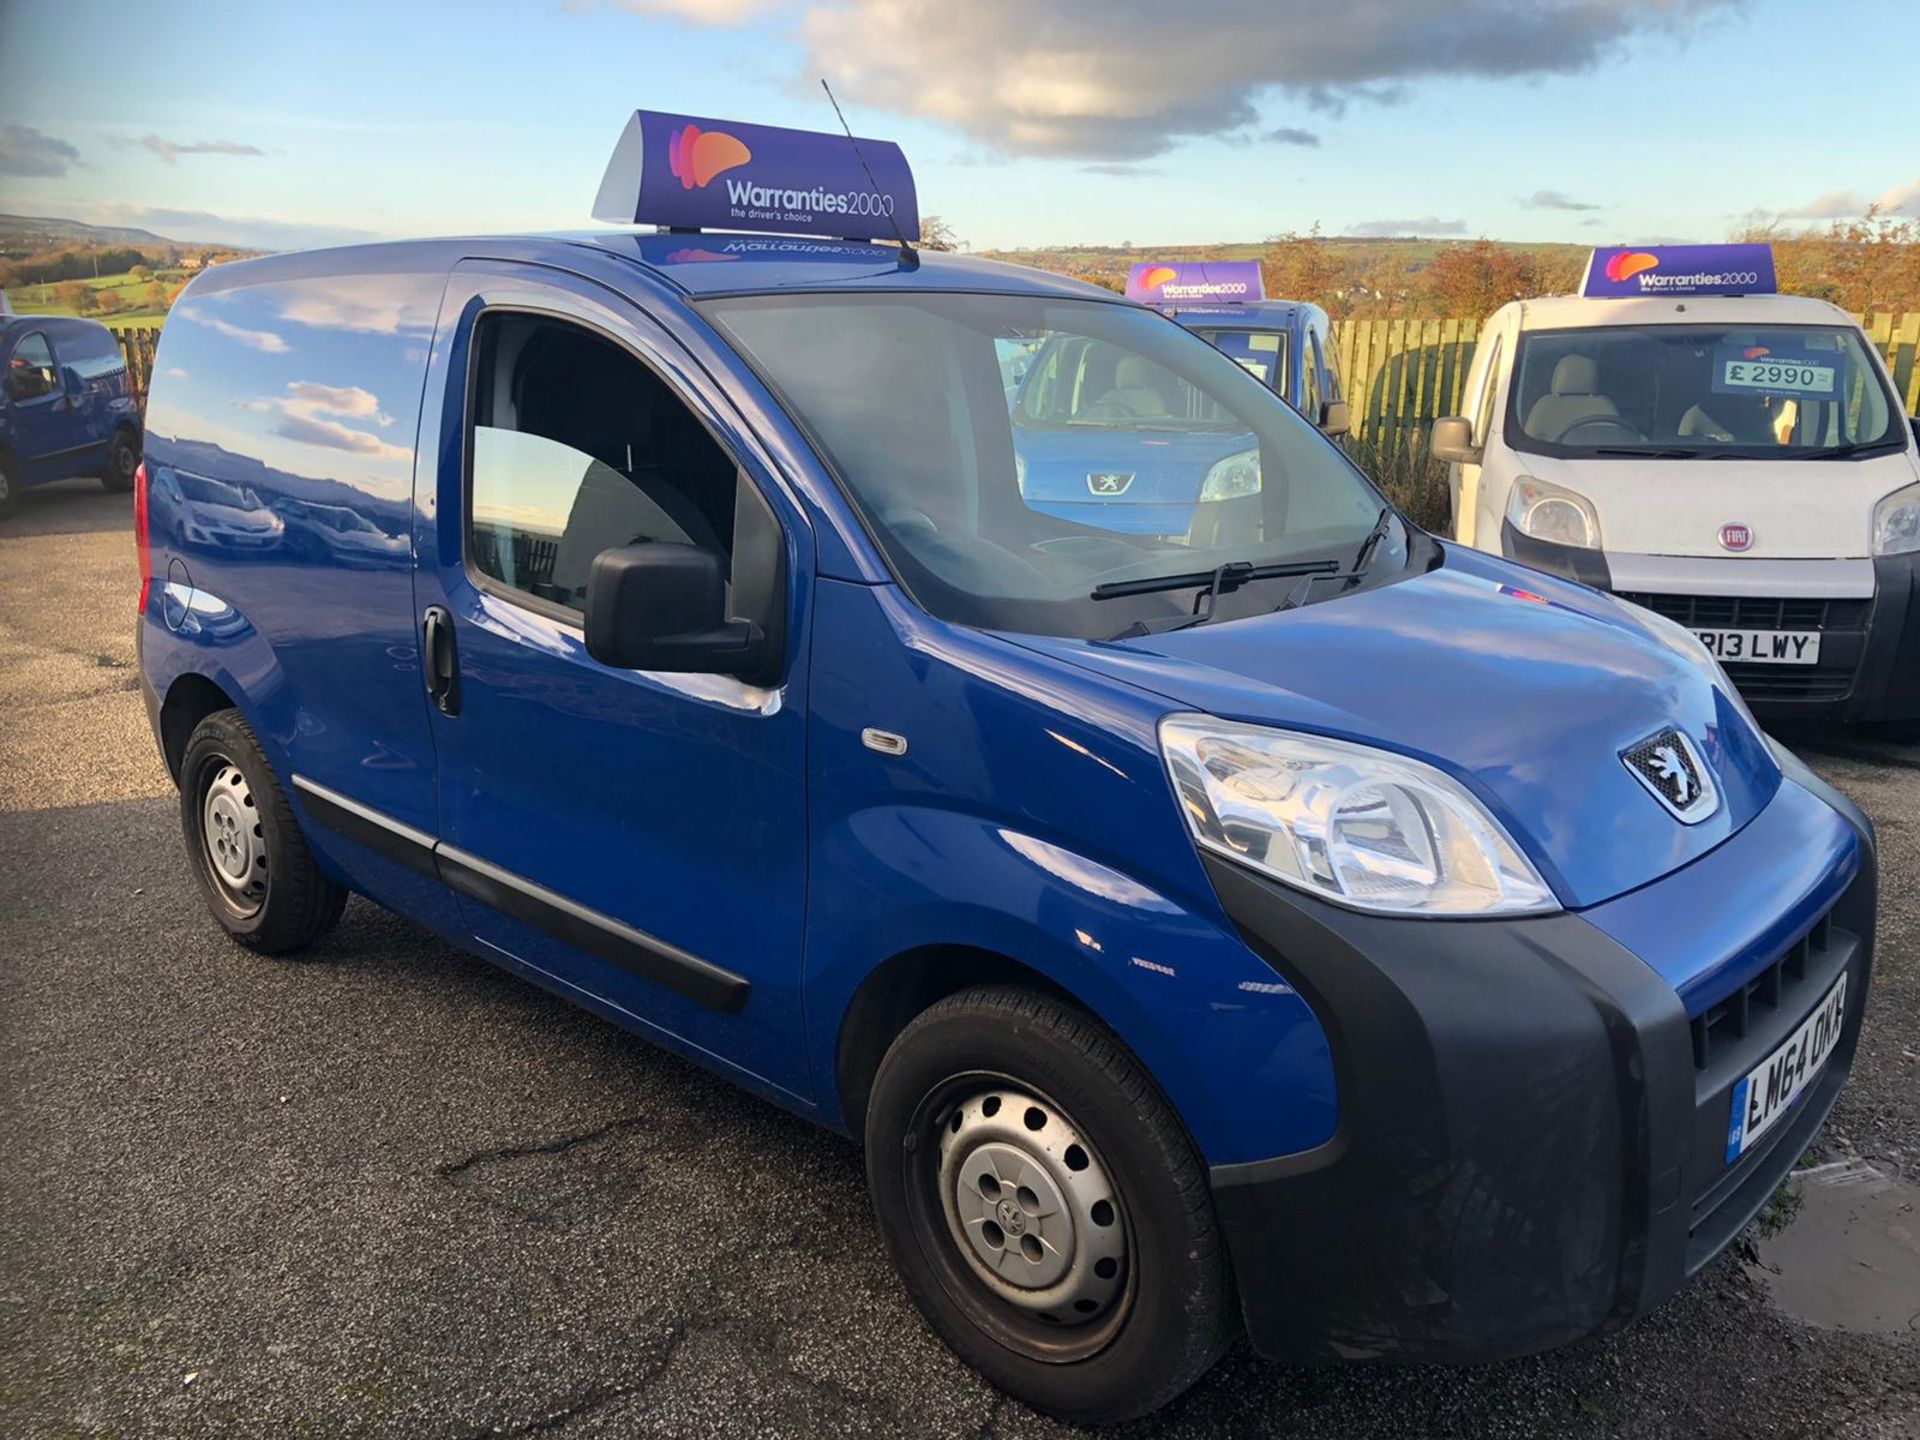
700	12
1288	135
1127	79
264	341
377	305
170	150
313	414
1847	204
27	151
1117	167
1554	200
1425	225
1833	205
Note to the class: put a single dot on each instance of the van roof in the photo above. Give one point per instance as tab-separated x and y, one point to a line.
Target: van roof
712	263
1569	312
697	263
1259	313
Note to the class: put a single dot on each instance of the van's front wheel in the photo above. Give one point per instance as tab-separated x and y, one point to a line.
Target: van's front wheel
1045	1206
248	856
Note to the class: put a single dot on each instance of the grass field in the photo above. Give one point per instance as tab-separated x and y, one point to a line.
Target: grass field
145	300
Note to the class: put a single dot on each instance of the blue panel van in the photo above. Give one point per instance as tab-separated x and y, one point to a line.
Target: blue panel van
66	405
1314	930
1286	343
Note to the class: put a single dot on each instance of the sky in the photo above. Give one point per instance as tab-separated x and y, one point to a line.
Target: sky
1027	122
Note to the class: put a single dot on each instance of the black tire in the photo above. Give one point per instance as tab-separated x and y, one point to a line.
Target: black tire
123	458
1170	1312
286	901
9	488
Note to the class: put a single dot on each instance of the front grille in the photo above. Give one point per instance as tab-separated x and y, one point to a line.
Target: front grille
1755	612
1789	682
1780	984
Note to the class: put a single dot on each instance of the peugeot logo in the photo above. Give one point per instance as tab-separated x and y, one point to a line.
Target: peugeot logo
1736	537
1674	774
1109	482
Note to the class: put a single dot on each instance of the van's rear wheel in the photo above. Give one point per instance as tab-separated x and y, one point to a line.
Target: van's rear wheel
123	458
1045	1206
9	488
248	856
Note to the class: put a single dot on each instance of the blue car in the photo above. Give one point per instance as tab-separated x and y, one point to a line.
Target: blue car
66	405
1312	930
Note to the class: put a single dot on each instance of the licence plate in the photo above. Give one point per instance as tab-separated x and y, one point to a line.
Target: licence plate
1764	647
1770	1088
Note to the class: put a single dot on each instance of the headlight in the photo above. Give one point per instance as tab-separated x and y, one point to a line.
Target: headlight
1896	522
1684	643
1549	512
1351	824
1020	473
1233	477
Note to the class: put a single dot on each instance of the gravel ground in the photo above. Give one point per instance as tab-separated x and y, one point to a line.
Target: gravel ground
388	1190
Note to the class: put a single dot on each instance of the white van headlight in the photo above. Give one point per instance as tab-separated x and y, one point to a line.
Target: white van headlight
1896	522
1553	513
1357	826
1233	477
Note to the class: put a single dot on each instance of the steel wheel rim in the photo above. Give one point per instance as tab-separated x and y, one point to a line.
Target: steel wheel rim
126	459
233	838
1069	1303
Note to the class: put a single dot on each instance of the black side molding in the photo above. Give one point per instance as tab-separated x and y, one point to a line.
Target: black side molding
381	834
600	935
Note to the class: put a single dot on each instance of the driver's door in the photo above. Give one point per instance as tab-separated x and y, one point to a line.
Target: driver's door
37	406
632	838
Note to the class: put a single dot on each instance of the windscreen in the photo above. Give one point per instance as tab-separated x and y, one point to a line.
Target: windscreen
1012	453
1680	391
1261	353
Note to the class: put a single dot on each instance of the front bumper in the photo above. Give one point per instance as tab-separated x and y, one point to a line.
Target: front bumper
1869	668
1531	1146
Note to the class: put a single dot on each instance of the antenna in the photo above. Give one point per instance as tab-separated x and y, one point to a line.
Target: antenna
908	253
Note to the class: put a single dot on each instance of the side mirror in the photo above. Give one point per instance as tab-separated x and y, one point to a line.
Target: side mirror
1915	423
70	380
656	605
1452	441
1334	419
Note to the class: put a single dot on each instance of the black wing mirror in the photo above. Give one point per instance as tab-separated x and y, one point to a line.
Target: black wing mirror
657	605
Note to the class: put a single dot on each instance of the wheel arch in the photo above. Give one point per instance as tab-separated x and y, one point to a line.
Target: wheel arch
189	700
902	987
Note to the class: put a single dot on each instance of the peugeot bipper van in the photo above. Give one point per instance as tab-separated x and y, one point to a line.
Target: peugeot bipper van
1734	459
66	405
1326	931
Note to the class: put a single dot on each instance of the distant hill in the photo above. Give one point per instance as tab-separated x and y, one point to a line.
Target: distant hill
1083	258
19	233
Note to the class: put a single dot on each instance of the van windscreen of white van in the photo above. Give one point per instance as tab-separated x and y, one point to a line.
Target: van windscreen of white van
1762	392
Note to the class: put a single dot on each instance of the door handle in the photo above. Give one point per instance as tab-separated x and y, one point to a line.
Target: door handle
441	659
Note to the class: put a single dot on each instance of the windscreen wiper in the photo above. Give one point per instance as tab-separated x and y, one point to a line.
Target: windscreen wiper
1361	563
1633	452
1221	580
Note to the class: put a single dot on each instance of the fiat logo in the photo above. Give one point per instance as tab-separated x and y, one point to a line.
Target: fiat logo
1735	536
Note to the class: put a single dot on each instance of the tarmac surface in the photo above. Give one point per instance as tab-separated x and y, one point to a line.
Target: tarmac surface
388	1190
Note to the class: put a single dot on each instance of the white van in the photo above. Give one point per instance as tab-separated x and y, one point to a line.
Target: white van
1735	459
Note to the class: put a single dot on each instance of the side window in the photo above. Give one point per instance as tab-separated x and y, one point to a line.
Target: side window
1489	387
30	373
577	447
1310	396
1329	364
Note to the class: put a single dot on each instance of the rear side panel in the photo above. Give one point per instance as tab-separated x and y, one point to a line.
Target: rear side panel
280	450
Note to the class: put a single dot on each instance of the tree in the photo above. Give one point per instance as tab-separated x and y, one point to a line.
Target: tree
1863	265
937	234
1303	267
108	302
1477	279
74	296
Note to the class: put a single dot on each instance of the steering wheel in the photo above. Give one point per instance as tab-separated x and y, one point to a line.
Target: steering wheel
1108	408
1616	429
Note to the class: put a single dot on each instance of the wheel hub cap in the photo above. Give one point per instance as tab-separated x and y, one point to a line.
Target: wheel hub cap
1031	1207
230	828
